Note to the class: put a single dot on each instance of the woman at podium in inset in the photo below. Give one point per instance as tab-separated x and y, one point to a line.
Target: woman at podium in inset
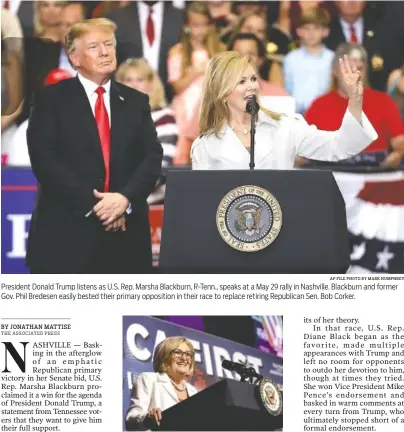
230	94
154	392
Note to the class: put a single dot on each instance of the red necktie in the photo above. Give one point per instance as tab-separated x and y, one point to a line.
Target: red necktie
354	37
101	117
150	27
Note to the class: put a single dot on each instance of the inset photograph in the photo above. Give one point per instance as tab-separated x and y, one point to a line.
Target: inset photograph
203	373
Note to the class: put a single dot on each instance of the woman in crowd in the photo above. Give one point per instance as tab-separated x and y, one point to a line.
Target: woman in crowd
46	19
276	44
138	74
231	81
153	392
188	59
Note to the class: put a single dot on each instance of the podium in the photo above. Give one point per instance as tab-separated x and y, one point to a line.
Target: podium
228	405
313	237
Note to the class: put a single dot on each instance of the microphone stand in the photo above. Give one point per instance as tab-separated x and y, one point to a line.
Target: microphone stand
253	114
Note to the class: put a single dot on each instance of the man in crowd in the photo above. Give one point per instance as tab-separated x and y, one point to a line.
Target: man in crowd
149	29
355	23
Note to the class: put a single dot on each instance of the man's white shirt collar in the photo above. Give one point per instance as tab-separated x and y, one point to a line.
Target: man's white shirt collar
90	87
358	26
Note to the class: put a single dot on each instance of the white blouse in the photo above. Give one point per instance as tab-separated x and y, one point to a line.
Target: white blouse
277	143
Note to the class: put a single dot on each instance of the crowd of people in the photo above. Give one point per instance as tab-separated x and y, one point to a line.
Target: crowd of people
163	49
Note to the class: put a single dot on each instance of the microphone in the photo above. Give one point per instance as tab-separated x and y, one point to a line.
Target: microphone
252	105
243	371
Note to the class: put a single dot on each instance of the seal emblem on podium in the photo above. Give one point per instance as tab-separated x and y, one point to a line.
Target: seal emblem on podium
249	218
270	396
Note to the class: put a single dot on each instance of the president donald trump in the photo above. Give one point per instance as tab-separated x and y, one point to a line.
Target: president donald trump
94	150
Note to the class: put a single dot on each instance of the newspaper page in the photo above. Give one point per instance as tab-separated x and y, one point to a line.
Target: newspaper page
73	350
202	216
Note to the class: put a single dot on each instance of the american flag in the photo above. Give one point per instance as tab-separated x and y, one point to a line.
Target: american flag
270	329
375	217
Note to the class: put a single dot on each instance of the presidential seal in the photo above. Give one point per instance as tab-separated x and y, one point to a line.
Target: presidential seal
270	396
249	218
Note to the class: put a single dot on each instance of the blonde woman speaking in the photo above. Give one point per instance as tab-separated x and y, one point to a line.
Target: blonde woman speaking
231	81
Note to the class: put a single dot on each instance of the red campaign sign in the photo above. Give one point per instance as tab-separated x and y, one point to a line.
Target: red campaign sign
156	225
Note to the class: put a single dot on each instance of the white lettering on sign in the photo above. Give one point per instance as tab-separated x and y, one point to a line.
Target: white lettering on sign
211	356
19	235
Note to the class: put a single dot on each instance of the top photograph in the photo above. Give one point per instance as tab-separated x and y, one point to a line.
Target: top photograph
202	137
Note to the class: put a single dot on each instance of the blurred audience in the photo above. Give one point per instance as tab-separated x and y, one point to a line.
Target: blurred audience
11	79
249	44
24	11
188	59
395	88
378	106
106	7
137	74
72	13
148	29
290	13
43	56
307	70
47	19
222	14
18	151
356	23
246	7
176	39
275	42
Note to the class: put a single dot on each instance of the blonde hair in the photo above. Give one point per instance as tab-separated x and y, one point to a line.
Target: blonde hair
164	349
212	42
157	96
79	29
221	77
39	29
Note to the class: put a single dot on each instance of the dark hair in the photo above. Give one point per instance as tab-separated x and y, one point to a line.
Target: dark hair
84	7
247	36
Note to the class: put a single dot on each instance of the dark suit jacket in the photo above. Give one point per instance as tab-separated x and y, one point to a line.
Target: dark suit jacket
130	39
375	45
65	152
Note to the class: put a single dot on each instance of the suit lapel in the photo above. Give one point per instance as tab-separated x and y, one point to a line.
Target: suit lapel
84	118
167	386
191	390
118	124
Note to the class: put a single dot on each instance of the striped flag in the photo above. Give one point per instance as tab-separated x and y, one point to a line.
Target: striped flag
375	216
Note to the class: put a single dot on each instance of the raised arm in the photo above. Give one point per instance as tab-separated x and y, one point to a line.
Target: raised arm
355	133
